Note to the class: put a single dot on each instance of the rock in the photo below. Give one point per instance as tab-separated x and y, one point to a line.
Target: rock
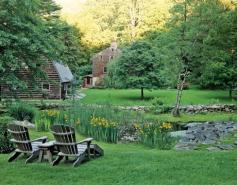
212	148
179	134
206	133
192	125
225	147
129	139
186	146
208	142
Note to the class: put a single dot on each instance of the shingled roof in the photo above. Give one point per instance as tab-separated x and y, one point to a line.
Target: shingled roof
64	72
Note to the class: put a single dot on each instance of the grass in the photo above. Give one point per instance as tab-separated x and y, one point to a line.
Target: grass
215	116
131	96
128	164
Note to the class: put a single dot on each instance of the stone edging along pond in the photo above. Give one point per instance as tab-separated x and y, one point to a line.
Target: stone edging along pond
208	133
194	134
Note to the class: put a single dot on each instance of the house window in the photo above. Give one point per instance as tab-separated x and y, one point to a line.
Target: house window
111	58
105	69
45	86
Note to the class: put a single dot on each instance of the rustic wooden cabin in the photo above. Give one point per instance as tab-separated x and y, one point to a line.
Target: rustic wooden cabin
59	79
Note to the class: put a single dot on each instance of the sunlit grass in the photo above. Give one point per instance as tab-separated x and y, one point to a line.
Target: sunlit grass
128	164
132	96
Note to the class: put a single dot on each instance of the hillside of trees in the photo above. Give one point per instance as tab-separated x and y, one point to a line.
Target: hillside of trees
193	41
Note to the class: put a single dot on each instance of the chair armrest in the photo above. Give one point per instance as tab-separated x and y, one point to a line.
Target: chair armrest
87	140
42	139
88	143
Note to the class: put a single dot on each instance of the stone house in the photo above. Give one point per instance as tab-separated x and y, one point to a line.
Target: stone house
99	66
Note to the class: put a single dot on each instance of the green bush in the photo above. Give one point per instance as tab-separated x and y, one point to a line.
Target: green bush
5	145
159	107
22	111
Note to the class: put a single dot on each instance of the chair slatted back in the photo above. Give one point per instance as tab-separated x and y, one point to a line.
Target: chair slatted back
65	138
21	137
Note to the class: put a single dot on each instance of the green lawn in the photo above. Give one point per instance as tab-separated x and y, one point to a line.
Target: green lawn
131	96
128	164
215	116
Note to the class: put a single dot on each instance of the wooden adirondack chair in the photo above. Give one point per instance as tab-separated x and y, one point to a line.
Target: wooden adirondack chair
67	145
23	143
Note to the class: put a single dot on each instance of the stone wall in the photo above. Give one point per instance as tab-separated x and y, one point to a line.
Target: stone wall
192	109
207	108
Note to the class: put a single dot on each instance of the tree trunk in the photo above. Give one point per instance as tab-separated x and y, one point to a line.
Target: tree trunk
230	93
134	11
142	93
180	85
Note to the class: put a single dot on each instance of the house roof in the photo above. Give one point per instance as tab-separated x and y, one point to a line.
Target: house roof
112	50
64	72
90	75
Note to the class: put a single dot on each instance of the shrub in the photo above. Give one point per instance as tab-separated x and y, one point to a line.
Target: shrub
22	112
5	145
159	107
155	135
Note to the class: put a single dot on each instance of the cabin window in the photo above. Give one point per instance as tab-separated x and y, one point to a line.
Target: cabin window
105	69
46	86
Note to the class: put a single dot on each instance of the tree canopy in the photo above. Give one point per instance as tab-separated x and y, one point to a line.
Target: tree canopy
138	67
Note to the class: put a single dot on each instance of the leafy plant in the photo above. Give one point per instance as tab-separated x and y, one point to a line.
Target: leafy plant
46	118
101	121
104	130
159	107
155	135
5	145
21	111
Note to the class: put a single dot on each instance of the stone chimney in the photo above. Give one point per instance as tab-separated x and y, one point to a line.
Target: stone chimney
114	46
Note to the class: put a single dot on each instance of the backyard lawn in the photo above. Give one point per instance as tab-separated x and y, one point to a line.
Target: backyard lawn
186	118
128	164
132	96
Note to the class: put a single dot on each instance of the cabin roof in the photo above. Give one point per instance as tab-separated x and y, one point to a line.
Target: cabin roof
64	72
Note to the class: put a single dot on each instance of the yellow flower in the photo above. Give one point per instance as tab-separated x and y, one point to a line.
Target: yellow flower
166	126
78	121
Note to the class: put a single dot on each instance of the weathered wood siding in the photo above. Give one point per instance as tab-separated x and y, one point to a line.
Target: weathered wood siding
35	90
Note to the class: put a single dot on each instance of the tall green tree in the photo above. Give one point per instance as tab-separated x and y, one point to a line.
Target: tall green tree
125	20
220	69
180	44
71	51
24	39
138	67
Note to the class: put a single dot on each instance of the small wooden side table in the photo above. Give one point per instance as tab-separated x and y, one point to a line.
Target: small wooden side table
46	151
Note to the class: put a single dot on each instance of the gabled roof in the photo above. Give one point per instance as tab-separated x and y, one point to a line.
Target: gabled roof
113	50
64	72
